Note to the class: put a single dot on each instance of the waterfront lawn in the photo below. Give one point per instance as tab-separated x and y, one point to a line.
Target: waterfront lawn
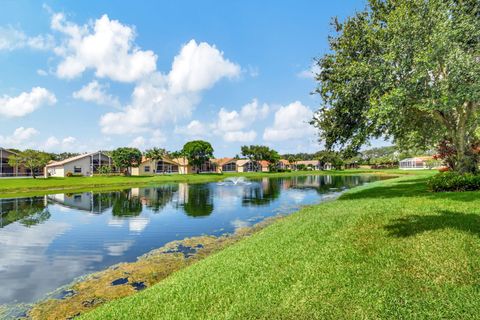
18	186
388	250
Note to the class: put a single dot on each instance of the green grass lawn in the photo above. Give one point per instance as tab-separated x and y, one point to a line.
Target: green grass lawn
388	250
20	186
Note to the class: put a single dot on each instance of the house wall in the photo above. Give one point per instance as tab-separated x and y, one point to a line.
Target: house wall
140	170
182	169
57	171
63	170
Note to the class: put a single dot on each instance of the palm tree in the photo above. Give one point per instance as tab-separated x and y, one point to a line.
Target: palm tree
293	160
156	154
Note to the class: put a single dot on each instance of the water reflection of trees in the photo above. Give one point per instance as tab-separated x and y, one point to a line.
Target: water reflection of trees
325	183
197	200
263	192
125	204
157	198
27	211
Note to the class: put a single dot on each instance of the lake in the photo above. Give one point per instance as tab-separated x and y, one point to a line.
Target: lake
48	241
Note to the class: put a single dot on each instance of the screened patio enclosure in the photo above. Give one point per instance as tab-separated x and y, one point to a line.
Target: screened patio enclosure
416	163
166	167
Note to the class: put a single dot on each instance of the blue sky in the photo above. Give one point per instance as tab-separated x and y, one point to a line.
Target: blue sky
83	75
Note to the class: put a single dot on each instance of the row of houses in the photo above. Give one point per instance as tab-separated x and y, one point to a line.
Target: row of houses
89	163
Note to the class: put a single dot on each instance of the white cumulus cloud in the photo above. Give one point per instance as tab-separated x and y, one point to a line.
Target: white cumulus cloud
60	145
159	98
12	39
20	138
107	47
96	92
240	136
26	102
290	123
199	67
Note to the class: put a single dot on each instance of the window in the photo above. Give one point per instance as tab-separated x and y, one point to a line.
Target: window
147	169
229	167
77	169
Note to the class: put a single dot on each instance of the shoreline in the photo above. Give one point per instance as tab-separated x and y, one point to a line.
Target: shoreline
127	278
11	188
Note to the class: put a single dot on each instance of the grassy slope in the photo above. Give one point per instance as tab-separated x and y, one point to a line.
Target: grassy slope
20	186
388	250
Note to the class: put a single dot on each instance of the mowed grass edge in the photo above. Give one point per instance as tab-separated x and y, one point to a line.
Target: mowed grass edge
388	250
11	187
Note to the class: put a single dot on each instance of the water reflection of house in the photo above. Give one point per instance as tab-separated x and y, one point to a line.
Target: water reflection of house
182	193
86	201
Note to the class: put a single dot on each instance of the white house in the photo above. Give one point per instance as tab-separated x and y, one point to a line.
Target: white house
85	165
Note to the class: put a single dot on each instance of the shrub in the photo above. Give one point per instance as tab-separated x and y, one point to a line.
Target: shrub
105	170
69	174
452	181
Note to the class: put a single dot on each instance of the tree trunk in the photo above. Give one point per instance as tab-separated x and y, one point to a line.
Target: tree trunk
465	161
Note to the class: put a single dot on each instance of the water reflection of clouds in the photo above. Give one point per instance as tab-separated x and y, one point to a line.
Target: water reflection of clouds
113	222
296	195
137	224
24	253
118	248
237	223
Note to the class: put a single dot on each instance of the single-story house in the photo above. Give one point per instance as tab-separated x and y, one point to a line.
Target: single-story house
226	164
164	166
85	165
284	164
418	163
312	165
245	165
174	166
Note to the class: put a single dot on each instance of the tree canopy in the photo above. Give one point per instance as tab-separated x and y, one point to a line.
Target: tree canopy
125	157
156	154
408	70
257	153
31	159
197	152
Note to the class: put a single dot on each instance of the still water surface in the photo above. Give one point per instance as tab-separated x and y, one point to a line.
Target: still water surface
48	241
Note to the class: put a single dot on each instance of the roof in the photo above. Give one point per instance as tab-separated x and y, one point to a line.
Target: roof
6	150
422	158
308	162
223	161
165	159
284	161
71	159
264	163
242	162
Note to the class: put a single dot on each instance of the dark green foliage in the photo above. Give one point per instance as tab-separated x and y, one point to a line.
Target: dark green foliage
125	157
197	152
454	181
407	70
331	157
257	153
31	159
156	154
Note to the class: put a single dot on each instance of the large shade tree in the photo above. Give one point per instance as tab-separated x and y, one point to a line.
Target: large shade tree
256	153
33	160
125	158
197	152
408	70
